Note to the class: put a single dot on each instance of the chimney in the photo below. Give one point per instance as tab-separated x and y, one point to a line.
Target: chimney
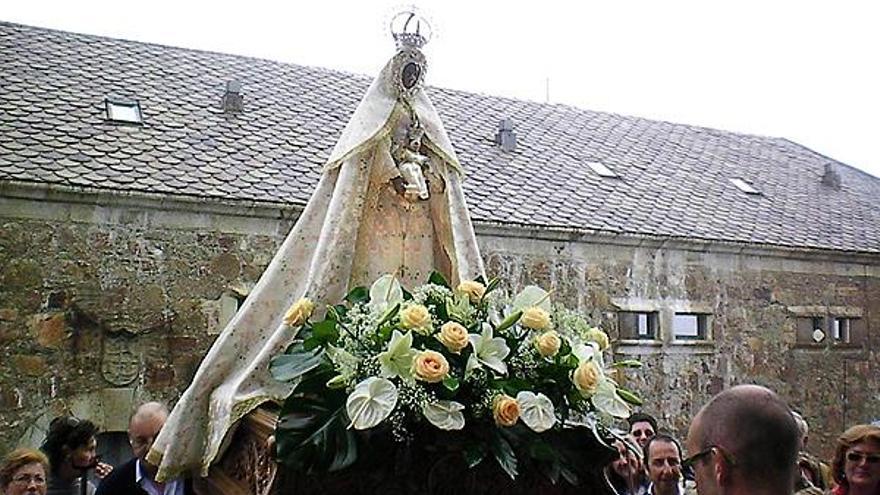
505	137
232	100
831	178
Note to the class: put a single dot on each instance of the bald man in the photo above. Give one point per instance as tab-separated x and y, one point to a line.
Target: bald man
137	476
744	442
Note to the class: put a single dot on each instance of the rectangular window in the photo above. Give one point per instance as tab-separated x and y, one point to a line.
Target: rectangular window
690	326
811	330
637	325
123	111
841	330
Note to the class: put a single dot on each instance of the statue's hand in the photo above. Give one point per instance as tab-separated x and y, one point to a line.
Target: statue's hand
399	185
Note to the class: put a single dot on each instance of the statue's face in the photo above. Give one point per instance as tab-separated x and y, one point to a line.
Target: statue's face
410	75
415	144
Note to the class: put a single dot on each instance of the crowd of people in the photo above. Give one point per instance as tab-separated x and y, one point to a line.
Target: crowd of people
745	440
69	453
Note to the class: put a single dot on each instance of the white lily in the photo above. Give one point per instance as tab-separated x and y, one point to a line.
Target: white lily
397	360
488	350
536	411
608	402
445	414
371	402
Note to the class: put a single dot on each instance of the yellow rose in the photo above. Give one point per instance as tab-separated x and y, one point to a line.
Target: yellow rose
430	366
599	337
505	410
299	312
586	377
416	317
453	336
548	343
474	290
535	318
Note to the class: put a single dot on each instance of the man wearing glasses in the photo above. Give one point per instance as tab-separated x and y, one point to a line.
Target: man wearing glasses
744	441
137	476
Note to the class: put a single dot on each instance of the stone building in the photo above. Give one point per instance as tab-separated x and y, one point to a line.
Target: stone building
144	188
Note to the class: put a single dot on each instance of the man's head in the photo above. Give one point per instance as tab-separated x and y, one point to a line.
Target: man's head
143	427
663	462
642	427
744	441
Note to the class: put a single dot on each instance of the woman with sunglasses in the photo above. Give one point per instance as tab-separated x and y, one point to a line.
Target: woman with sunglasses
71	445
23	471
856	464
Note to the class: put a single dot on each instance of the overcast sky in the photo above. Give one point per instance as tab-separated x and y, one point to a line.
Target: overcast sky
804	70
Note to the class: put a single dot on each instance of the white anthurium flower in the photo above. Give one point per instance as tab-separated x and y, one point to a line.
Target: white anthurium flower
588	351
608	402
385	293
397	360
371	402
445	414
532	295
536	411
489	350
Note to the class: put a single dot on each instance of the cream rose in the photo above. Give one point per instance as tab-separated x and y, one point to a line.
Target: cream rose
430	366
505	410
299	312
586	377
453	336
599	337
416	317
535	318
474	290
548	343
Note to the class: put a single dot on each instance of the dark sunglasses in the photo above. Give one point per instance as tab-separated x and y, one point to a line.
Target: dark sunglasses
857	457
689	462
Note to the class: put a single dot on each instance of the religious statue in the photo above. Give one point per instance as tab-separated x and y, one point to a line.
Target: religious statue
355	227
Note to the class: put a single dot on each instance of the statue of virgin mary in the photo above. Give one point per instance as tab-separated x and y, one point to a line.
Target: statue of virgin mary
389	201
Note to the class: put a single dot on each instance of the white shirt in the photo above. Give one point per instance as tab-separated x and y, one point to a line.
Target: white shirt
172	487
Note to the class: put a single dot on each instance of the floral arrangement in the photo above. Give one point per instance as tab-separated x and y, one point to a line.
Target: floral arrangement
508	371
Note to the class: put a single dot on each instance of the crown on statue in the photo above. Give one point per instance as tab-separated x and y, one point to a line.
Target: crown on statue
410	30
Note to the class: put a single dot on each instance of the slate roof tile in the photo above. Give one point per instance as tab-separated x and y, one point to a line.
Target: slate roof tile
673	179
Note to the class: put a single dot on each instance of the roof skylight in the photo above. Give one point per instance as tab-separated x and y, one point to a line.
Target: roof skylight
744	186
602	169
124	111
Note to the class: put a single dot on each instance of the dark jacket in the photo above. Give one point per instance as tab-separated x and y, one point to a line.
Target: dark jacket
121	482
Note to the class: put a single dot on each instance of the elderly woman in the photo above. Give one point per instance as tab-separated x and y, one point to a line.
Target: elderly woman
72	449
24	471
856	464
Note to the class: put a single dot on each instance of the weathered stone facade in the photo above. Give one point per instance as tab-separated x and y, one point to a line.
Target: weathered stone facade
107	301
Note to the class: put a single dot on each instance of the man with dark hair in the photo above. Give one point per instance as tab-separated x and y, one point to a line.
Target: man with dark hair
744	441
663	465
642	427
137	476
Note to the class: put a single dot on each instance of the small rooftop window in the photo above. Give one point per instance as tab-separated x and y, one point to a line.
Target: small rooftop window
124	111
744	186
601	169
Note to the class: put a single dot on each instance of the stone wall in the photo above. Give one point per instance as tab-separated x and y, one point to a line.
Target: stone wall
109	301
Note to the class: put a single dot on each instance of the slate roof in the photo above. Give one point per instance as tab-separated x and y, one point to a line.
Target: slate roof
673	178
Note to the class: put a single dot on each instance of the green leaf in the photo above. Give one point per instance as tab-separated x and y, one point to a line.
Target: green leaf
503	453
311	433
629	396
510	321
627	363
358	295
474	454
289	367
438	279
451	383
493	284
325	332
389	315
